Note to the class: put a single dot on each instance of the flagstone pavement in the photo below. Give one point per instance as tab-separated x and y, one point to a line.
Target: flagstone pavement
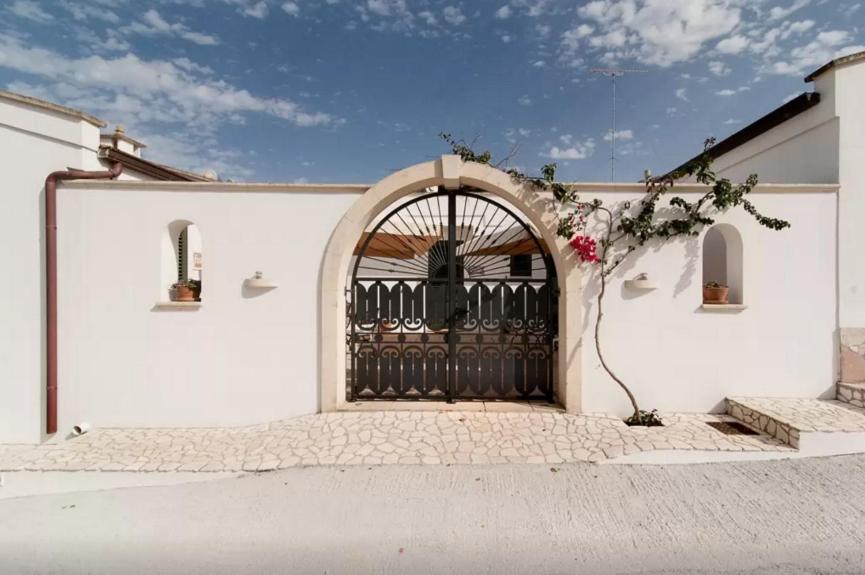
380	437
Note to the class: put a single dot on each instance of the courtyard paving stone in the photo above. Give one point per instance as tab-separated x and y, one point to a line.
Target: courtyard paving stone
380	438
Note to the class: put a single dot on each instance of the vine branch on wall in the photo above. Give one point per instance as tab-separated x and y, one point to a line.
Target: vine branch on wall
630	225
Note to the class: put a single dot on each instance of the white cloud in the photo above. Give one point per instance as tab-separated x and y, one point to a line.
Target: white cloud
83	12
733	44
656	32
780	12
826	46
512	135
258	10
453	15
428	18
732	122
682	94
570	45
504	12
153	24
524	100
30	10
387	15
620	135
730	92
177	107
134	90
796	28
576	151
719	68
291	8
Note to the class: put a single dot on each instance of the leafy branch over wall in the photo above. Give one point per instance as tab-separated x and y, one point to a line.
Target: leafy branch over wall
630	225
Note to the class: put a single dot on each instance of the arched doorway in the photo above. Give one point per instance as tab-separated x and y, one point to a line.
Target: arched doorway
452	297
451	173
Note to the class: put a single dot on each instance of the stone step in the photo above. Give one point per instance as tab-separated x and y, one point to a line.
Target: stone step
852	393
814	425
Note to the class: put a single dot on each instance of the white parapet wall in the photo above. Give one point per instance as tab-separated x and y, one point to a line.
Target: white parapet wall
243	356
679	355
246	356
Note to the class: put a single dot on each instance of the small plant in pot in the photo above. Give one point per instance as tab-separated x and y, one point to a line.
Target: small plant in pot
185	290
715	293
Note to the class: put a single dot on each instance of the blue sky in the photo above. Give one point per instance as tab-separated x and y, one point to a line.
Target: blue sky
349	91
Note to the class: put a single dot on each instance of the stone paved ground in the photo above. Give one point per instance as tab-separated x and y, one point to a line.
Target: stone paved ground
376	438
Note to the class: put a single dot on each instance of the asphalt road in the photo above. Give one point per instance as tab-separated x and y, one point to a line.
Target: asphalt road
791	517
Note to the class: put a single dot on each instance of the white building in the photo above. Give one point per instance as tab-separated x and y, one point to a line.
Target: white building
350	300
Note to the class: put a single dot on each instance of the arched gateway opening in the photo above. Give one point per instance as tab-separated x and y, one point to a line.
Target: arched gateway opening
426	302
452	296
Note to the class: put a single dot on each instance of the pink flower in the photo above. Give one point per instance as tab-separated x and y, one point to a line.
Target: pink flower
586	248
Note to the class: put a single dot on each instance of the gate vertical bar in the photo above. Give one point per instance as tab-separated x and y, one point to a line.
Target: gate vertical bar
552	327
452	295
352	341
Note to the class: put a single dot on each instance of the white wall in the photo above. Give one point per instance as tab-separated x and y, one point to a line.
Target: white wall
679	357
850	87
32	144
241	358
804	149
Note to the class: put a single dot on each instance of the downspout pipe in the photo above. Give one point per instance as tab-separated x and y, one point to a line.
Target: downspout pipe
51	280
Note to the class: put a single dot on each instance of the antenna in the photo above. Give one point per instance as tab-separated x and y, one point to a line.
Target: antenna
612	74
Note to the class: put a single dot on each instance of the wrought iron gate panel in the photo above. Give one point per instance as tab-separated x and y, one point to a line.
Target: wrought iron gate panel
452	296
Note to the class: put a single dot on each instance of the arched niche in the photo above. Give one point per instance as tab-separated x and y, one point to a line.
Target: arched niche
723	260
182	255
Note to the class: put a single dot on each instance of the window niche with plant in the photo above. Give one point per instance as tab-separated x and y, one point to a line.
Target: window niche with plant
604	236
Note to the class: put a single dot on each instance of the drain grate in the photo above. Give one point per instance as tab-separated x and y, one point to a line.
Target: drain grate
732	428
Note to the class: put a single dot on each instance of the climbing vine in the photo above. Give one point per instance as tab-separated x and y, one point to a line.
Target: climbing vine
623	228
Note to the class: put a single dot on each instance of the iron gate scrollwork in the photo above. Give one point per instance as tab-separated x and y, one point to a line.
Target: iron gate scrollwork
452	296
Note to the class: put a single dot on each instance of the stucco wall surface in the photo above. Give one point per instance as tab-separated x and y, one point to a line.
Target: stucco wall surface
252	357
32	144
678	356
243	357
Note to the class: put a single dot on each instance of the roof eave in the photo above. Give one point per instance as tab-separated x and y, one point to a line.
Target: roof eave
773	119
156	171
849	59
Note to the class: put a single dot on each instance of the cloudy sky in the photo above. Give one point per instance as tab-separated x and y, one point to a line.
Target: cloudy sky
350	90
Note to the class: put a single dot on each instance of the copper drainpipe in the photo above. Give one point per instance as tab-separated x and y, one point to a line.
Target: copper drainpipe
51	279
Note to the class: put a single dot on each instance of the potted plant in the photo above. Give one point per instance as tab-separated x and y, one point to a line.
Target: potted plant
196	289
184	290
715	293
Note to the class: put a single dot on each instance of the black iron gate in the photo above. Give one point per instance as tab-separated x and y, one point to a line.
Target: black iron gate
452	296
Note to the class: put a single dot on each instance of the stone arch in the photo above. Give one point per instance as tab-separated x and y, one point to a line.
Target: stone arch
451	172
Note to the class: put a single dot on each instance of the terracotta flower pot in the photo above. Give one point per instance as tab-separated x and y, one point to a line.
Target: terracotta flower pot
716	295
183	293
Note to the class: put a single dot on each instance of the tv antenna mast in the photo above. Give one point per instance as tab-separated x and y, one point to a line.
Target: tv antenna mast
612	74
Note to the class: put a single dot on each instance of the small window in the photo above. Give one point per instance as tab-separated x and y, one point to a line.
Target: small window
521	265
722	266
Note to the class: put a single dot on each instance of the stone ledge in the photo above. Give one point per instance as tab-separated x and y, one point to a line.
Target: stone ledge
177	305
793	420
852	393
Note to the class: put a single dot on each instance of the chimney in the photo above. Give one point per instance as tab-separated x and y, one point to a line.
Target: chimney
121	142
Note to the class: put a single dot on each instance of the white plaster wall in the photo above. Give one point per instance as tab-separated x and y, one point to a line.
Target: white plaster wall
850	88
32	144
242	357
804	149
678	357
